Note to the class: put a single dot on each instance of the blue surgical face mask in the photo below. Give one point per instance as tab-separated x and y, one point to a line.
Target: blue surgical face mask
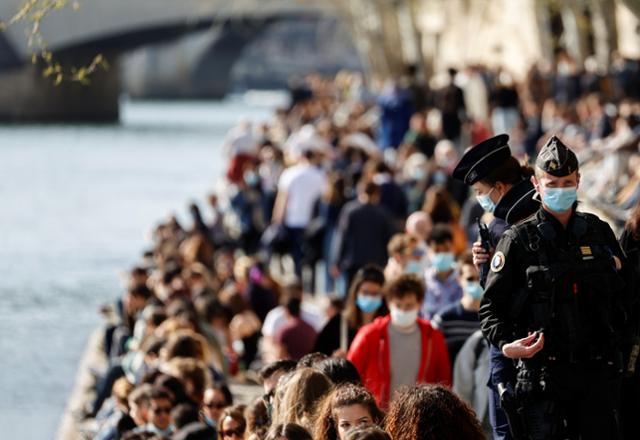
486	202
474	290
414	267
442	261
210	422
560	199
439	177
368	303
251	178
154	429
419	174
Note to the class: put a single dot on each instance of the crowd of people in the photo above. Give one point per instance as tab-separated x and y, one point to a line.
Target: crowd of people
336	269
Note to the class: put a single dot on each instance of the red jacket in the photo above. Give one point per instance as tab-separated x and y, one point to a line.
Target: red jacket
369	352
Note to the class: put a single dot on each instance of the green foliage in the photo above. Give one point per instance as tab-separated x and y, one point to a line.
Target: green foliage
31	14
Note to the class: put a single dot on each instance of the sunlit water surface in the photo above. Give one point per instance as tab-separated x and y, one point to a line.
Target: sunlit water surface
75	205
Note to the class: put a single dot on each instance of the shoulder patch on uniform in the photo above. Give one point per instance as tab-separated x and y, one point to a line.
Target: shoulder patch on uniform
497	262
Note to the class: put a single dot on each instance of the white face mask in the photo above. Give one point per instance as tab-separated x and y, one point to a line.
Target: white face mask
403	318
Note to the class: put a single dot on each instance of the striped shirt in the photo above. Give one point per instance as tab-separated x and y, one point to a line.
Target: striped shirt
457	324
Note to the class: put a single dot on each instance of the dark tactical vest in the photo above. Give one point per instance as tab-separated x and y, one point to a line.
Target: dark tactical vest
573	294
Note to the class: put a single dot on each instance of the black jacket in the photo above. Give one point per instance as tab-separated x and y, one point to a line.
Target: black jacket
538	263
362	236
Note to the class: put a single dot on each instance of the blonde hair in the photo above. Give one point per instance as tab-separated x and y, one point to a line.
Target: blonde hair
298	395
242	266
121	390
172	325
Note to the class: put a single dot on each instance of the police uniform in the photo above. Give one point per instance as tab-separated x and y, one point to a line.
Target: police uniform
516	204
563	282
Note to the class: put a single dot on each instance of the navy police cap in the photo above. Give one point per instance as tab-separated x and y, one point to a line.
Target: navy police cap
556	158
483	158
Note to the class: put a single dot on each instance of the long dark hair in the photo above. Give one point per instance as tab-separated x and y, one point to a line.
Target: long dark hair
335	193
372	274
633	224
439	204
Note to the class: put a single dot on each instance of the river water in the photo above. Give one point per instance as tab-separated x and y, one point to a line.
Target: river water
76	203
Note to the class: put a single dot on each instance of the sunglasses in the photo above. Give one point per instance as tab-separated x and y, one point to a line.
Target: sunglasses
472	279
161	409
238	432
216	405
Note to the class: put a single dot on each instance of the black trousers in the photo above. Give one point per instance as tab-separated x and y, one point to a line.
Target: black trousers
630	410
583	402
502	371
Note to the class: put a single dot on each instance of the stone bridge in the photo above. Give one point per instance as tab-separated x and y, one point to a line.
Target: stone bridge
113	27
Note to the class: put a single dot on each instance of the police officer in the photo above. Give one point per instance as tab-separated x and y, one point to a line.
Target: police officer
503	188
630	398
552	304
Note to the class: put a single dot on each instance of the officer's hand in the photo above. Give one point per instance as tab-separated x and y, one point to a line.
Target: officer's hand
480	255
524	348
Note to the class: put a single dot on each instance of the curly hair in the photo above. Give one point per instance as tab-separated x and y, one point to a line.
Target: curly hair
404	285
343	396
431	412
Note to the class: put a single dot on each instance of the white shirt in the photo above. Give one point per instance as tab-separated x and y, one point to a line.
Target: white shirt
306	138
303	184
240	140
276	318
